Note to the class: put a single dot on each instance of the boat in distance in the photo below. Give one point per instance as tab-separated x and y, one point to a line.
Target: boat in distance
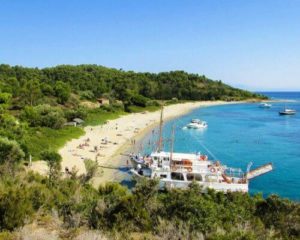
179	170
265	105
197	124
287	111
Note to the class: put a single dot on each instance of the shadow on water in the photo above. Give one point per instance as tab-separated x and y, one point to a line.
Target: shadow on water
126	179
123	169
130	184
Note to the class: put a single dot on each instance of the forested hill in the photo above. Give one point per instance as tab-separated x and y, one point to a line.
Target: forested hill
37	105
92	81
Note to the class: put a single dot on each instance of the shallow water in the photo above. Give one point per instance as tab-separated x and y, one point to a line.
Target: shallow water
241	133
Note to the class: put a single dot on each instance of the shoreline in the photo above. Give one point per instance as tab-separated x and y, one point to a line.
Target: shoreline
123	130
105	143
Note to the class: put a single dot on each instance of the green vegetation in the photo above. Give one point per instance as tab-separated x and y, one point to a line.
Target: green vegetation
145	211
34	85
40	139
10	154
53	161
100	116
36	104
44	116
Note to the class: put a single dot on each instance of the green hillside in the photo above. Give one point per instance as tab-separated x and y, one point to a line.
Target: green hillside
92	81
36	103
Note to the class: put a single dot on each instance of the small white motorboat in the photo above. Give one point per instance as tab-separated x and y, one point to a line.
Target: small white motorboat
265	105
196	124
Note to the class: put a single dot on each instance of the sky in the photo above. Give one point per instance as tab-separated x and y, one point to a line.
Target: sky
253	44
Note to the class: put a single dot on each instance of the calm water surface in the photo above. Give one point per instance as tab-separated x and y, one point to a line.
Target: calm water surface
242	133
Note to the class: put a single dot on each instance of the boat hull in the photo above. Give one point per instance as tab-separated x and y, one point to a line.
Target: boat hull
217	186
287	113
196	126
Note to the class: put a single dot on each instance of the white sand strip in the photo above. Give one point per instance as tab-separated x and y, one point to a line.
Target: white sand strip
104	142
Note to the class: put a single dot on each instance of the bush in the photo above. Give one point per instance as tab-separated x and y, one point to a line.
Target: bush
91	169
139	100
6	235
280	214
5	99
10	152
153	103
15	206
88	95
118	106
44	116
76	113
62	91
47	89
11	128
53	160
107	108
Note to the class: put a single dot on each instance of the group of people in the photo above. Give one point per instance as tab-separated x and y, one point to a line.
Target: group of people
85	144
104	141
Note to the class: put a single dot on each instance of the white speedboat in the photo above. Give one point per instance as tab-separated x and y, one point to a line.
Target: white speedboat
196	124
265	105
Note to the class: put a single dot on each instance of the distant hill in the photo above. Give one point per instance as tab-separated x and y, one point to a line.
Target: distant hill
93	81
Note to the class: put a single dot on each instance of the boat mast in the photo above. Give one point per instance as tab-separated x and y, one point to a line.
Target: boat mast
160	140
172	143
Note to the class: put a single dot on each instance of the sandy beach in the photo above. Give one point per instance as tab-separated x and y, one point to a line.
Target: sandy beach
106	143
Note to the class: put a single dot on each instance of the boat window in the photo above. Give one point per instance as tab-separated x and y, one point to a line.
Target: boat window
194	176
163	175
155	158
166	159
211	178
177	176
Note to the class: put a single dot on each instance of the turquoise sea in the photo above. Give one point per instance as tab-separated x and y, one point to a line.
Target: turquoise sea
241	133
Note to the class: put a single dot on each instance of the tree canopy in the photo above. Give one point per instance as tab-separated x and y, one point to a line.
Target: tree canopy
93	81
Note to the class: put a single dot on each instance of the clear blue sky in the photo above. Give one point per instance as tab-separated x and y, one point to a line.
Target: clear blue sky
251	44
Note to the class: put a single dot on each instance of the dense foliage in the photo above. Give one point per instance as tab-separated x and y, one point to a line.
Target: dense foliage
172	214
35	101
92	81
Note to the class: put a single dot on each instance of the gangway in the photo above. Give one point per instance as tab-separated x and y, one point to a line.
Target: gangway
259	171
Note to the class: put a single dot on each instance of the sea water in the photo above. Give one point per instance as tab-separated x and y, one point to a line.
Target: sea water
238	134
